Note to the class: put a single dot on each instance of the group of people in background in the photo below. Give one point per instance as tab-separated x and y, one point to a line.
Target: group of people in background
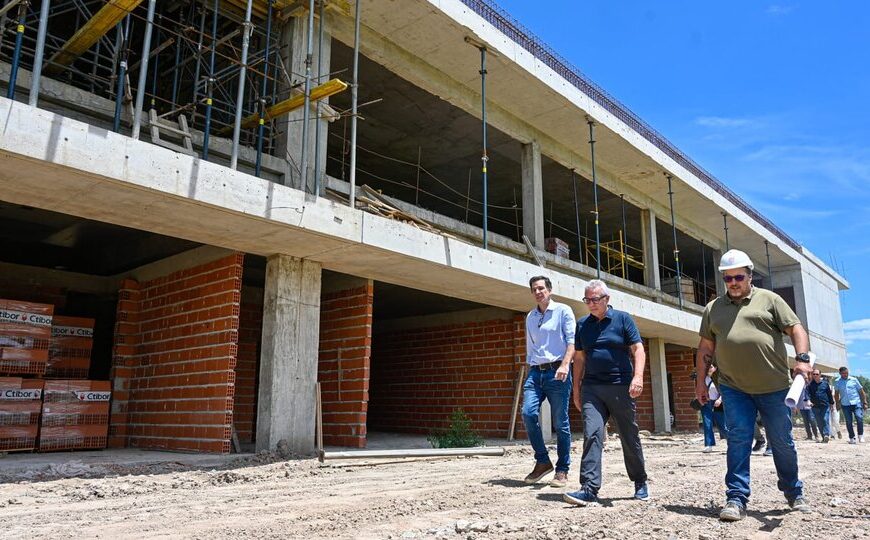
600	359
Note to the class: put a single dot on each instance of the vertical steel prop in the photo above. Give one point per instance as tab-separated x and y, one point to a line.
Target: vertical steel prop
725	227
209	100
261	124
153	101
306	112
16	56
484	159
704	272
122	75
177	61
595	196
317	112
624	233
240	96
40	51
676	248
769	269
143	69
577	215
354	97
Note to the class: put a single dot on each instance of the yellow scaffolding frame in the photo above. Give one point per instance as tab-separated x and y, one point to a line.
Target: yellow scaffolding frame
616	256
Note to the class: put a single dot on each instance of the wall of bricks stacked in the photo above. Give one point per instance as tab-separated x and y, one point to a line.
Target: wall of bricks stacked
680	362
644	404
176	355
420	375
344	363
250	335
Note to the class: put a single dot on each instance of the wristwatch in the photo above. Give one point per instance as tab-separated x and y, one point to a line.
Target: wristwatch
802	357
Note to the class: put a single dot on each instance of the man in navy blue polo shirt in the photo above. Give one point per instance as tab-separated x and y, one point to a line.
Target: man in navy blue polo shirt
549	349
607	342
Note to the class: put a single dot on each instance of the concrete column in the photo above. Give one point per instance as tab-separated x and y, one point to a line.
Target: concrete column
659	375
650	244
288	354
294	49
533	194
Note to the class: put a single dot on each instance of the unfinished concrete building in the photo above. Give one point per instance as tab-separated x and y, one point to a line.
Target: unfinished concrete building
251	197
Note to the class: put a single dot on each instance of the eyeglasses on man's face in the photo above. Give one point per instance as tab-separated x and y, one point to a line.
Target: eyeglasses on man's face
594	299
817	374
739	278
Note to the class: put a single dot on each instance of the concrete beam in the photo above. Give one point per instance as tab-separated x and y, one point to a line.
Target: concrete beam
533	194
651	276
288	358
659	375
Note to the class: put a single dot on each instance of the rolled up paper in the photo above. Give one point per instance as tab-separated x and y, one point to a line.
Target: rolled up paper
797	386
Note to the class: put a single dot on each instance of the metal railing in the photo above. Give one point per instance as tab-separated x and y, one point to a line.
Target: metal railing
507	25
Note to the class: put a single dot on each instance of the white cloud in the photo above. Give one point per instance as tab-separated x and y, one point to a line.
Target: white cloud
857	330
778	9
721	121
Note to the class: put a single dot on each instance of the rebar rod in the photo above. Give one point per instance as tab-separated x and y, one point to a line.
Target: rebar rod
240	97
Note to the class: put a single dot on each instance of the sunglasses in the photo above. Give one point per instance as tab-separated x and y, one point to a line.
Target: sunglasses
738	278
594	299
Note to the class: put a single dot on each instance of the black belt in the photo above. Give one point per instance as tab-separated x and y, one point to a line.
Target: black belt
546	367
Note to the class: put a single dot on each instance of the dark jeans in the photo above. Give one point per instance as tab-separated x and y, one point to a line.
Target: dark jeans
740	411
809	423
856	411
711	416
600	402
542	385
823	419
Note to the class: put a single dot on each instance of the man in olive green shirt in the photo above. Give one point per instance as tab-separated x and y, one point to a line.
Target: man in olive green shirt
744	329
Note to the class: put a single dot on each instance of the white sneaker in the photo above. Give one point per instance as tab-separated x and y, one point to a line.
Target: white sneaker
861	439
853	440
708	449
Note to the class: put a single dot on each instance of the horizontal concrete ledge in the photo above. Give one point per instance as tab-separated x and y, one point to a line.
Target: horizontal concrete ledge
413	453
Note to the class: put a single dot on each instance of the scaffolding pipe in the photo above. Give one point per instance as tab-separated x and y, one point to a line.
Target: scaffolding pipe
725	226
624	232
211	80
40	50
122	74
577	215
704	271
317	177
240	96
484	158
261	127
676	249
176	67
198	69
143	69
156	55
354	97
595	197
16	56
769	269
306	112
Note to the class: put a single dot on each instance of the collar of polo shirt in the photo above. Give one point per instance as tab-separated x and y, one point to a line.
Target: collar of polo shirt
744	299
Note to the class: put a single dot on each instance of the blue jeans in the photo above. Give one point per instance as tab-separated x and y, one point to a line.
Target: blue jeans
542	385
740	411
809	423
858	413
823	419
711	416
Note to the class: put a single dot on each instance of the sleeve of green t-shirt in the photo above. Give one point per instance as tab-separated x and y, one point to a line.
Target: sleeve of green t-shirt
705	331
783	314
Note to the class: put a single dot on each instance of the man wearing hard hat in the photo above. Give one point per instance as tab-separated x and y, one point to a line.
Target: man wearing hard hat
744	328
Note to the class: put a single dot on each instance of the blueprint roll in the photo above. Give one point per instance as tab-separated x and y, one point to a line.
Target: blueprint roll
797	386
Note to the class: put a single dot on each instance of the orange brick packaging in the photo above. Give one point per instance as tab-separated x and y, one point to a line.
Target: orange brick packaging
20	406
25	332
69	355
75	415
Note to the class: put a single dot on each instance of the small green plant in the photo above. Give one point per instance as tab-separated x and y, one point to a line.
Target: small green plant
458	435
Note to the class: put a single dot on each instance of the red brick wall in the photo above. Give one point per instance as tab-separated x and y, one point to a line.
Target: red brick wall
343	370
681	364
183	341
420	376
245	400
124	360
645	413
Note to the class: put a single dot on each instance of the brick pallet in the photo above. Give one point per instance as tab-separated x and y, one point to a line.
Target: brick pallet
75	415
25	333
20	407
69	355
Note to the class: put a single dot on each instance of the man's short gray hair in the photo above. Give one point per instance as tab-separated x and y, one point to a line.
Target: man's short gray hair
598	284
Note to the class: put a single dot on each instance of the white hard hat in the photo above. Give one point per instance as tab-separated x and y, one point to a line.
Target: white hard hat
734	258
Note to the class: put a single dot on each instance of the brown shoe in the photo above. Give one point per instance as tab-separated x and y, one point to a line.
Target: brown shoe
560	479
541	470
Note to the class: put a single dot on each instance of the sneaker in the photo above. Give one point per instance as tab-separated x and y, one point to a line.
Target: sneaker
580	498
758	444
825	439
768	451
800	504
541	470
853	440
839	434
641	491
560	479
861	439
708	449
733	511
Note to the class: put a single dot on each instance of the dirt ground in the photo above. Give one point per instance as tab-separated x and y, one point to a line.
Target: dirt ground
467	498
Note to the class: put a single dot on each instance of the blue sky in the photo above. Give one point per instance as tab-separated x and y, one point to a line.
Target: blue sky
772	98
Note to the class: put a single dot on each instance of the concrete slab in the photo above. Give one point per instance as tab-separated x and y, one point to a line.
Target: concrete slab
14	463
